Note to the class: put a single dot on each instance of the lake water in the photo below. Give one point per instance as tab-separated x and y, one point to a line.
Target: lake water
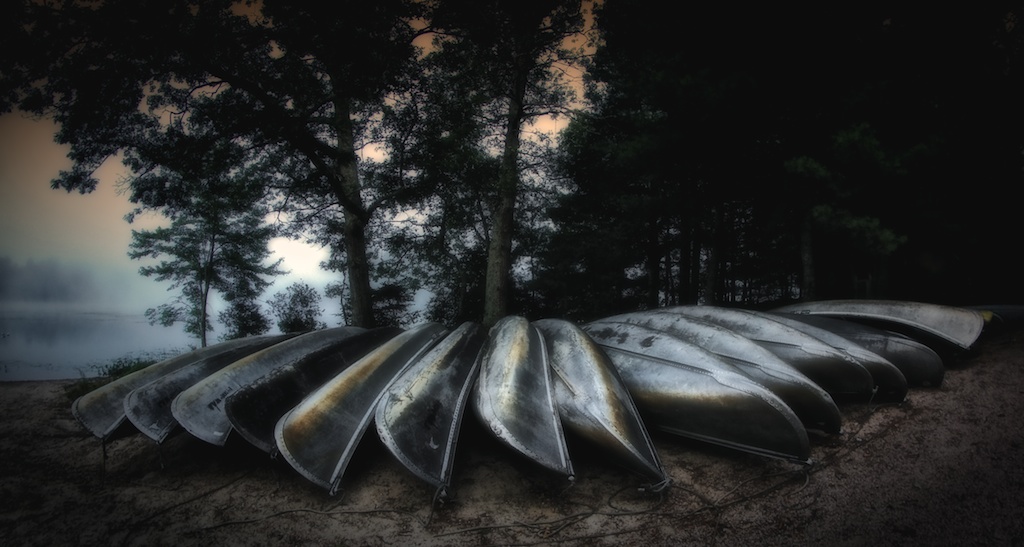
39	343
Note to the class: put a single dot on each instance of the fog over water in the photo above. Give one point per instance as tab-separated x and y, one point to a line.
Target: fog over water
53	342
70	297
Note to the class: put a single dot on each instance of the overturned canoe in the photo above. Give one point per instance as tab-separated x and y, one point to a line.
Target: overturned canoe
927	323
890	382
319	436
419	417
815	407
514	396
686	390
255	408
200	408
149	407
101	410
593	402
842	377
920	364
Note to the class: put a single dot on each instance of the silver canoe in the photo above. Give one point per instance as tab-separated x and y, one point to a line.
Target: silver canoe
838	374
686	390
593	402
148	407
514	396
890	383
815	407
101	411
420	415
920	364
255	408
319	436
959	327
200	408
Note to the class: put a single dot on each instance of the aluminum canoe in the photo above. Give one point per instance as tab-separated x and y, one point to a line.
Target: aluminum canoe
683	389
838	374
420	415
319	436
101	411
919	363
815	407
927	323
594	404
255	408
200	408
148	407
514	395
890	383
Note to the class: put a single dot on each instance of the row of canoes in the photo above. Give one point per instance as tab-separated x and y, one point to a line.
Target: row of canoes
759	382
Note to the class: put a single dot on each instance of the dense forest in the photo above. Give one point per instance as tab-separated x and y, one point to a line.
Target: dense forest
705	153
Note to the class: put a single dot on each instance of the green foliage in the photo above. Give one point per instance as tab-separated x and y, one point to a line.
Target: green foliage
297	308
870	158
281	89
199	255
717	160
244	317
108	372
865	234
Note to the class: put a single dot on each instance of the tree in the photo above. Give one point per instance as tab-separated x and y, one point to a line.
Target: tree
436	137
297	308
214	248
243	318
292	82
217	239
507	54
785	176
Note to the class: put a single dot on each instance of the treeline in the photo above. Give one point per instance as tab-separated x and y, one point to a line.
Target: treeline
778	152
716	155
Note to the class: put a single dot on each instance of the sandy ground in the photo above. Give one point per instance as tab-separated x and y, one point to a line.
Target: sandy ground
943	468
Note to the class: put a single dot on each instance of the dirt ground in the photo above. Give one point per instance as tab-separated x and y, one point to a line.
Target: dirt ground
945	467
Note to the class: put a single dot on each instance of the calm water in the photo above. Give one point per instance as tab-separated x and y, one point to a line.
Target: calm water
53	344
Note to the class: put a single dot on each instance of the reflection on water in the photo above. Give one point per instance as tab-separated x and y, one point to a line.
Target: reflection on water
53	344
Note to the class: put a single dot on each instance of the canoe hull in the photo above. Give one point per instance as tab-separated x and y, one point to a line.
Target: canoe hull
148	407
842	377
101	411
815	407
890	383
255	409
514	396
920	364
927	323
686	390
593	402
420	415
319	436
200	408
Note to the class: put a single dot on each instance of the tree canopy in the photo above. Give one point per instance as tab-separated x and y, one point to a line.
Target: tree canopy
783	152
722	155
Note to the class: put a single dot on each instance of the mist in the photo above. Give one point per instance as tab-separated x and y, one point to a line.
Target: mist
46	281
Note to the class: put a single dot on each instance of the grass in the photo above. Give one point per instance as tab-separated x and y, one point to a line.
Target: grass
108	372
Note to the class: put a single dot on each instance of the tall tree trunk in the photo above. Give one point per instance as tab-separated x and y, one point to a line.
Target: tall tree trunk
653	266
499	251
711	267
348	188
358	266
204	287
807	287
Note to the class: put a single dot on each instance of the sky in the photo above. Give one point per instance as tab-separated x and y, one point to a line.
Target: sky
87	234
